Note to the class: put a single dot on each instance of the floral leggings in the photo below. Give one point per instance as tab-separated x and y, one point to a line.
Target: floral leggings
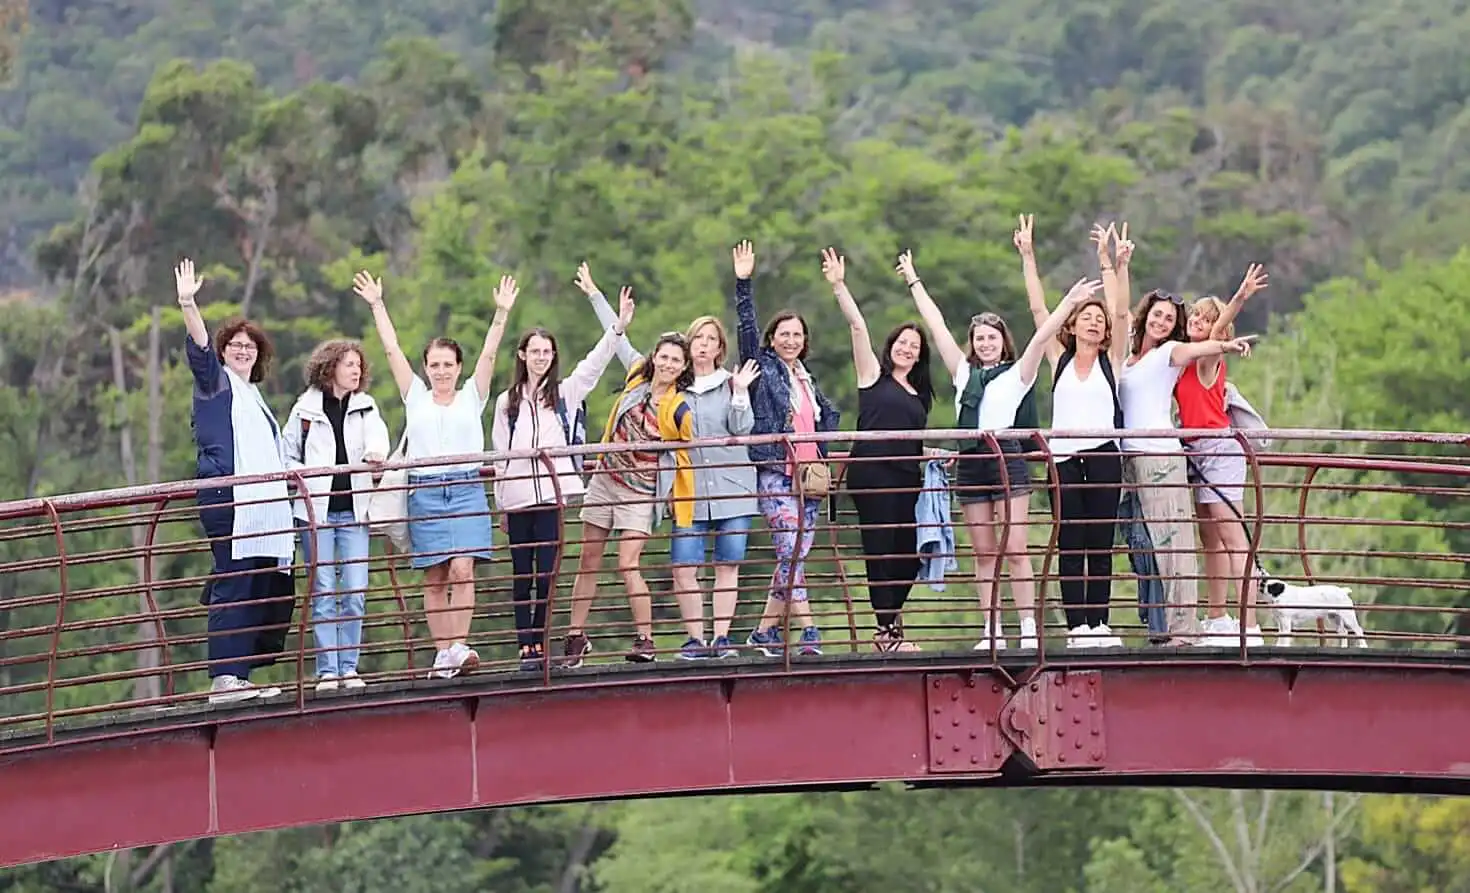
778	504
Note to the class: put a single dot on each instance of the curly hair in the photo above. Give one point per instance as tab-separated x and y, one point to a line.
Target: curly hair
321	368
265	352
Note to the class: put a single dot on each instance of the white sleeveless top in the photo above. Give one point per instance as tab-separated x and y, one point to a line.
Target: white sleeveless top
1080	405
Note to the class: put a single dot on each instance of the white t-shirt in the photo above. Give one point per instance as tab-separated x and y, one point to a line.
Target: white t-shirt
1001	400
1146	389
452	430
1080	405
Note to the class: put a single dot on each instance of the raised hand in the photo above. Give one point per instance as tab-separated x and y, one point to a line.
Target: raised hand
744	259
584	280
906	269
1102	238
186	282
505	293
1255	280
748	372
1081	290
1123	245
834	266
625	307
1021	238
368	288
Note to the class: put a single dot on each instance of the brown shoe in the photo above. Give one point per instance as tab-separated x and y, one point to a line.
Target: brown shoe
643	651
573	648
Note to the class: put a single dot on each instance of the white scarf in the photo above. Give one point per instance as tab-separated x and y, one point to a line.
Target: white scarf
264	529
797	375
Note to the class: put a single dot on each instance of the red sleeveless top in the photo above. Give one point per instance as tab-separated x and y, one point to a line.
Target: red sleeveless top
1199	406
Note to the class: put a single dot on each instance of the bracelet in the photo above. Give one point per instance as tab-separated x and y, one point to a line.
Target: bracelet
917	281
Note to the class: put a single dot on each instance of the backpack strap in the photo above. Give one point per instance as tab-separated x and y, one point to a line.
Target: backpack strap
1107	372
561	415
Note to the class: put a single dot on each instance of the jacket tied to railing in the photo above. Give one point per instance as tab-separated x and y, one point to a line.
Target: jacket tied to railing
770	395
675	423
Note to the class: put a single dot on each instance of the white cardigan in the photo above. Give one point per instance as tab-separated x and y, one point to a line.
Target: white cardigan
365	433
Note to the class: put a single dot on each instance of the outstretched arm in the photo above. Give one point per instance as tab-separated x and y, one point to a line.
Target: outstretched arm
748	331
188	286
1046	335
1255	280
628	355
950	352
371	291
864	361
576	386
1035	292
505	298
1185	353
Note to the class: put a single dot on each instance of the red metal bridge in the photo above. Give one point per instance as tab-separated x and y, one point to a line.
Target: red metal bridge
106	730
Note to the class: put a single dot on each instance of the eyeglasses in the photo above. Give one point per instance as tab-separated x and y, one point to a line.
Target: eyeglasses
249	346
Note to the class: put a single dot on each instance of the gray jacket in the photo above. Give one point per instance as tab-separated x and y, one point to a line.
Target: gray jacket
724	479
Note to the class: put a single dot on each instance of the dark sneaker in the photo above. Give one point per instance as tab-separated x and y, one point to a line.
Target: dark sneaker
723	647
573	648
642	652
693	649
811	640
768	641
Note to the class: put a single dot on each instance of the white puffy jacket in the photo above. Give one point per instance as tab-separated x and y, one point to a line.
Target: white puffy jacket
365	434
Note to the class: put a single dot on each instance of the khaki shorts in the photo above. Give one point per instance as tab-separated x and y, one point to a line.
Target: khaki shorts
612	506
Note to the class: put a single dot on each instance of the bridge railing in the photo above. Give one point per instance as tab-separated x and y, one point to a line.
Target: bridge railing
102	622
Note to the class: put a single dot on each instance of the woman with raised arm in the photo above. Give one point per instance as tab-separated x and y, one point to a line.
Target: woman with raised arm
448	514
336	422
1158	351
785	400
1217	464
989	354
630	489
538	412
884	477
724	480
1084	358
252	536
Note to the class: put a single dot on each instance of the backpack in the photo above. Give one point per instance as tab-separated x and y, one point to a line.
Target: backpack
1107	370
573	428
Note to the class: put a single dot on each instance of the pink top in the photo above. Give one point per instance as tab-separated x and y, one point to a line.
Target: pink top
803	421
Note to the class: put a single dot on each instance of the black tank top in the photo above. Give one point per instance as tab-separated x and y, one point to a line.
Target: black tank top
887	406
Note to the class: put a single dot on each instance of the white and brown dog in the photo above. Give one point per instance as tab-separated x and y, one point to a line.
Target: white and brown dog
1296	607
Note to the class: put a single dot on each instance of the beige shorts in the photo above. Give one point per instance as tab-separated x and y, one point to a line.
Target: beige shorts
612	506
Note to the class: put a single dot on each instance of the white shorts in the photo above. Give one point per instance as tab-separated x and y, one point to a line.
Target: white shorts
1219	462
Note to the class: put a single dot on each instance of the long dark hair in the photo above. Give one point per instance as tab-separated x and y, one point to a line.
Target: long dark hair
550	384
919	378
1140	319
644	369
806	332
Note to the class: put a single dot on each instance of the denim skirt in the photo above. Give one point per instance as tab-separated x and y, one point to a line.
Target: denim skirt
448	517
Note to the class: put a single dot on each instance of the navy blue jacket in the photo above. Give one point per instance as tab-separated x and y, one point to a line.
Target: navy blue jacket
214	432
770	395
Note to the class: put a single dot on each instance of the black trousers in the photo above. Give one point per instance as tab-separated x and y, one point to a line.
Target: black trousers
1091	483
535	542
891	552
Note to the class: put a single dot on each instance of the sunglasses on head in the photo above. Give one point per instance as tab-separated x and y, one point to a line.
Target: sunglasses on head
987	319
1170	297
672	336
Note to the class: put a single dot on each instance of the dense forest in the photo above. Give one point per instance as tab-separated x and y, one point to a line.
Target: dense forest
284	144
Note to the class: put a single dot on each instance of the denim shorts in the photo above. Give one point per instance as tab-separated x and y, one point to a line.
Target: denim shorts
690	544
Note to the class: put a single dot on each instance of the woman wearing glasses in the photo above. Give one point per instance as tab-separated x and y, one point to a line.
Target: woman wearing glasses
785	400
993	391
448	513
1154	467
724	480
630	488
251	532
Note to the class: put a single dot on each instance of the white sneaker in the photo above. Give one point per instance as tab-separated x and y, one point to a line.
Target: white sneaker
985	638
327	682
1218	632
352	682
1081	637
1254	638
1104	638
1028	634
463	657
445	666
231	689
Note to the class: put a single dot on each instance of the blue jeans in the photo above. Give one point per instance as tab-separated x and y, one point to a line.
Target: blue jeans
690	545
337	591
1141	559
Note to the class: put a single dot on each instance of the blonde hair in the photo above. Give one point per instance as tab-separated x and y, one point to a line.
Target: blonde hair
1068	338
1212	308
703	321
